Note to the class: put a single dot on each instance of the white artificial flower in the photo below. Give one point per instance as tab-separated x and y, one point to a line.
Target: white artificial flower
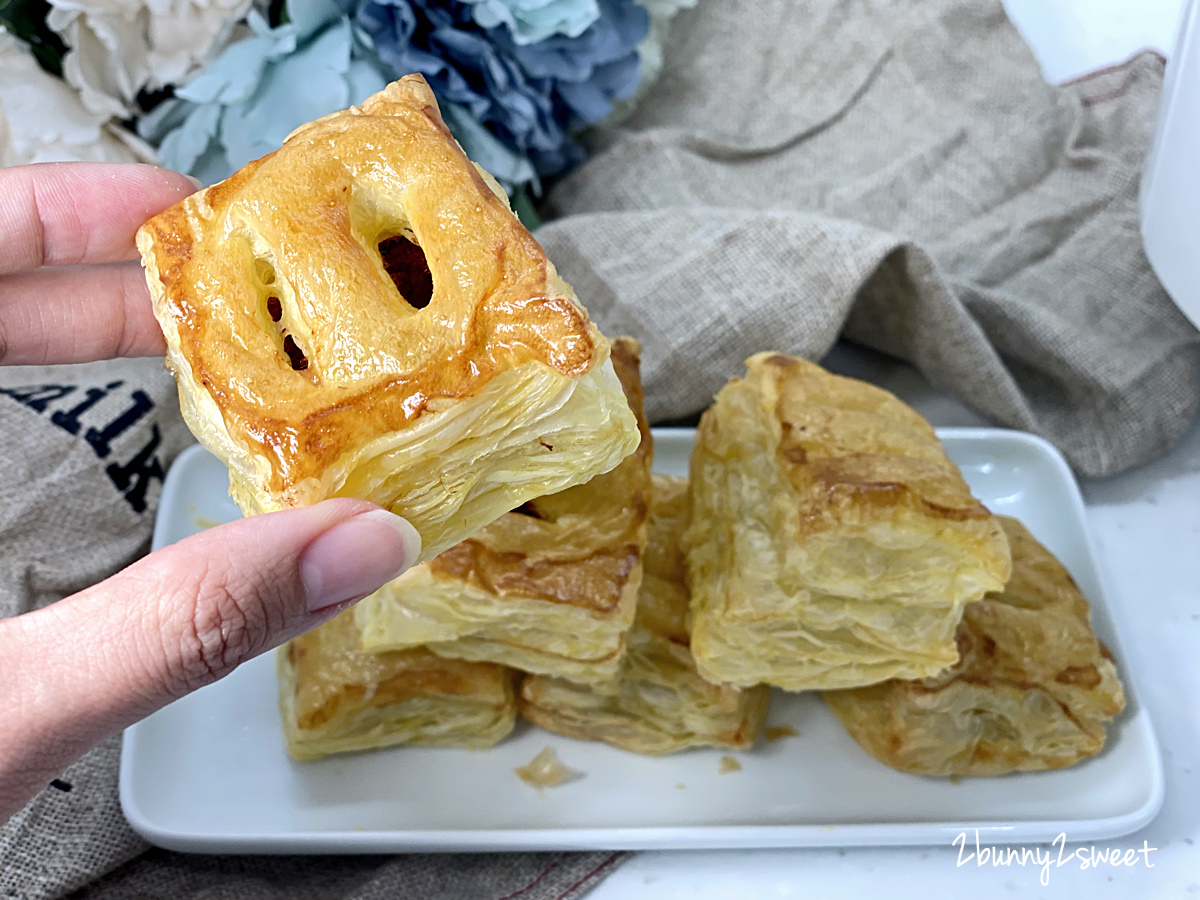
119	47
43	120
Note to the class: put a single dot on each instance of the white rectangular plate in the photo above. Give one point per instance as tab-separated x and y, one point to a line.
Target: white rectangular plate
209	773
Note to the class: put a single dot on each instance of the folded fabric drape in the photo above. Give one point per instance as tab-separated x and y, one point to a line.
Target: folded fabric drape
899	173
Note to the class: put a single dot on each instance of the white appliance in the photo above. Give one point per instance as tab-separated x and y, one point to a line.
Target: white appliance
1170	190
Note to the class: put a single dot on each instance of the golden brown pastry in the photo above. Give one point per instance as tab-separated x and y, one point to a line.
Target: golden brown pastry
1034	688
661	704
334	698
550	587
831	544
360	314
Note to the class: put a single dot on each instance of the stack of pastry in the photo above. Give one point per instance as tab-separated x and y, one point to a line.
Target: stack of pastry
383	327
834	546
832	543
550	587
1033	688
431	658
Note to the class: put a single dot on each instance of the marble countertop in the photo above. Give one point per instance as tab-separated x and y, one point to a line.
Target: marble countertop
1146	525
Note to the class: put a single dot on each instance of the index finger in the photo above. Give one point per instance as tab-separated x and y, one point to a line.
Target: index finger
60	214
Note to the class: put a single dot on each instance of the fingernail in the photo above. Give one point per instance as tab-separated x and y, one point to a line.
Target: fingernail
357	557
194	180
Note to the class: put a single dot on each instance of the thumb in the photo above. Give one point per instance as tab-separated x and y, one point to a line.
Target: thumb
179	619
204	605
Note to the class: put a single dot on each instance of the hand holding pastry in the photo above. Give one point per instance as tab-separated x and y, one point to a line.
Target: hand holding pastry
77	671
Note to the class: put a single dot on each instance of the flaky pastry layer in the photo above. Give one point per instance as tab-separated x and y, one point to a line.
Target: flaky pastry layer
334	698
832	543
1033	688
305	366
660	703
549	588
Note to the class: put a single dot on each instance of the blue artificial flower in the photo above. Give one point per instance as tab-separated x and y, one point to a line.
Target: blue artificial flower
593	69
392	26
530	96
464	67
531	21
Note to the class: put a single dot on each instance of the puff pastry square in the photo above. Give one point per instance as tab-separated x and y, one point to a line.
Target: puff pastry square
359	313
832	543
661	704
334	698
1033	689
549	588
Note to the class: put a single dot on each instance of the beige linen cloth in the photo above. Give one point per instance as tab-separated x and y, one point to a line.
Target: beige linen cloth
893	171
896	172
